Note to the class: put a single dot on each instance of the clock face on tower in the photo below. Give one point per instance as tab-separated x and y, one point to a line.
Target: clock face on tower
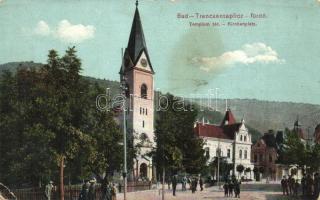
144	62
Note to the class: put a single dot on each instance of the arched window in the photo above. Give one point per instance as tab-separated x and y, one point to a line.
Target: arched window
245	154
229	153
144	91
143	124
207	152
240	137
146	111
143	170
245	138
240	154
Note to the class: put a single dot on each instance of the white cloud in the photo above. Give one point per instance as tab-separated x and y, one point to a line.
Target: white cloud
66	31
248	54
74	33
42	28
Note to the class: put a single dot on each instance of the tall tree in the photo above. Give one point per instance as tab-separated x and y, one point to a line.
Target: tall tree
177	146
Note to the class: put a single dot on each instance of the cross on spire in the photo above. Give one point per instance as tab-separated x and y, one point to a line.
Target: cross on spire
137	3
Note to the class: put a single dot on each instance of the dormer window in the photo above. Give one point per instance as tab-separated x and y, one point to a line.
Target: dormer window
144	91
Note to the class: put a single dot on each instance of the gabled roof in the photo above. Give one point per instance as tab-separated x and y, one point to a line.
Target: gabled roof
224	131
229	118
213	131
136	45
270	140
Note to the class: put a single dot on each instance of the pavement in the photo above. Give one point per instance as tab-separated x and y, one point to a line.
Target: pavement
208	194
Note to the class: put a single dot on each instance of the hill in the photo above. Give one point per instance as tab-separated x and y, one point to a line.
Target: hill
260	116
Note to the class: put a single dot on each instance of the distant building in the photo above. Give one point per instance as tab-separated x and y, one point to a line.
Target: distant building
267	151
231	138
297	128
265	154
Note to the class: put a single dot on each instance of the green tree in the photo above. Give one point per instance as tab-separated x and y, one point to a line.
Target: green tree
49	119
240	169
177	146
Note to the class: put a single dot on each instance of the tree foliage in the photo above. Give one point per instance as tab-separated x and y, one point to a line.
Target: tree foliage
178	148
47	116
296	152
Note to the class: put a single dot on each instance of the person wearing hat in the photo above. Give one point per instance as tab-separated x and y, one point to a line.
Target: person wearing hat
84	191
106	190
48	190
92	190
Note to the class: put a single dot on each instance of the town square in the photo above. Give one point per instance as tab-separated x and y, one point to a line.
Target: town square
159	100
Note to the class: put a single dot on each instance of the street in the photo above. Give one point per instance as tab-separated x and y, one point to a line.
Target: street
208	194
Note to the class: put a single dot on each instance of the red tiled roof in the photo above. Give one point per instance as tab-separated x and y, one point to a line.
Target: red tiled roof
222	132
228	117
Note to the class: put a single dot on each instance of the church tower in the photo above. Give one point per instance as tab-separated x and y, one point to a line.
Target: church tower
137	72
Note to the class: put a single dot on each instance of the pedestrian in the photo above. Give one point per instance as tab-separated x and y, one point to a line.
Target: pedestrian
193	185
304	185
113	192
190	183
230	189
296	188
48	190
226	189
84	191
196	183
284	185
310	185
316	184
106	191
201	183
169	182
174	184
184	183
92	190
237	188
291	183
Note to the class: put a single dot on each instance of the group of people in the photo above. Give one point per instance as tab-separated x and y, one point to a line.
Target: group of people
310	186
192	181
88	191
232	188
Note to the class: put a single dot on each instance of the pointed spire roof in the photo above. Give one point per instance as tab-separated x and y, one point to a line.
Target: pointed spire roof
136	44
228	118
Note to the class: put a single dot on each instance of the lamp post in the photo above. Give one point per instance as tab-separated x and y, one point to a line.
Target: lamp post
219	154
124	90
218	177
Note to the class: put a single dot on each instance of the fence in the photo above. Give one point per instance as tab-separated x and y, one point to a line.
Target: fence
72	192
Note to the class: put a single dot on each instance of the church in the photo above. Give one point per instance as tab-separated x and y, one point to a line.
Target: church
230	138
137	74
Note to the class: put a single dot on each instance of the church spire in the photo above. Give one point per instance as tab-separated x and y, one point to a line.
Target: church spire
136	43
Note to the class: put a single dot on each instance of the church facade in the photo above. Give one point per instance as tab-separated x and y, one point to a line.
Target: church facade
230	138
136	73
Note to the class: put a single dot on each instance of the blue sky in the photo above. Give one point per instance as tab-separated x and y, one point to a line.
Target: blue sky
276	60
